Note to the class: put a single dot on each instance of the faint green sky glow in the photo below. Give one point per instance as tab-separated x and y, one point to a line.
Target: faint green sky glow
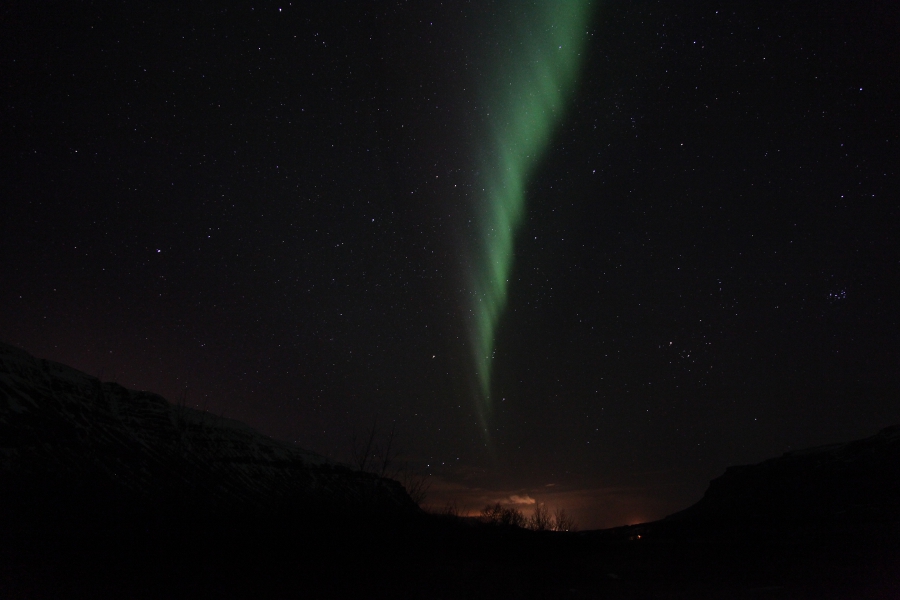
530	81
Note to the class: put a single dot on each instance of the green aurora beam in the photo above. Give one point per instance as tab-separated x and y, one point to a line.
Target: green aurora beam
531	80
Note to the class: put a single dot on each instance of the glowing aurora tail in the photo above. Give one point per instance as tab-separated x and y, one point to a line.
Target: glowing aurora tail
530	82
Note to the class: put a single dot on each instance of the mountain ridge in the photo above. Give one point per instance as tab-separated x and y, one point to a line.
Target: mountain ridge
833	493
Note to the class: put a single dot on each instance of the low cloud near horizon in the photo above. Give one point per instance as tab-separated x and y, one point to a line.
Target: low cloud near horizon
516	499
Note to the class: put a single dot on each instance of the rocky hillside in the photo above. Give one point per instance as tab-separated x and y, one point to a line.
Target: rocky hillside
69	442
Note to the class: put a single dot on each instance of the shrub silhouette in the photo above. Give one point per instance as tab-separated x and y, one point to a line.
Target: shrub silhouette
541	520
498	514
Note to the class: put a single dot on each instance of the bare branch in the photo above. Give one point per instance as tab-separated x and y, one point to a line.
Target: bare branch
540	520
386	456
562	521
362	454
416	485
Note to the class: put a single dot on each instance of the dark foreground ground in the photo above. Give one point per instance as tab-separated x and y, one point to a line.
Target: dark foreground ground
333	556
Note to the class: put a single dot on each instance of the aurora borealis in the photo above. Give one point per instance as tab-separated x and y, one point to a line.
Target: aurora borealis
531	78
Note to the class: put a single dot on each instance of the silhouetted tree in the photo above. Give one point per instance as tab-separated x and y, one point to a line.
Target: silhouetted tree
452	509
369	455
416	484
562	521
540	520
363	450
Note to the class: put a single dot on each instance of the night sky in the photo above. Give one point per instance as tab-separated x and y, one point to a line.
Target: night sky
293	215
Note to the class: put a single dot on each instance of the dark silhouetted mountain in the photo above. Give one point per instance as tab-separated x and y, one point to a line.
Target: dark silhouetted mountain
72	446
840	489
